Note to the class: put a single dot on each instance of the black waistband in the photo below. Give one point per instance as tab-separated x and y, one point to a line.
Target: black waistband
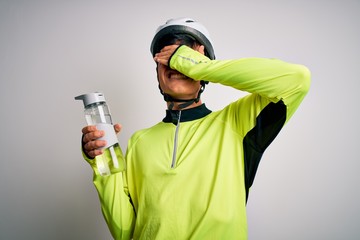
187	114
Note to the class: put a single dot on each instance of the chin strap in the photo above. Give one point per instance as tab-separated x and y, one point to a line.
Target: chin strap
186	102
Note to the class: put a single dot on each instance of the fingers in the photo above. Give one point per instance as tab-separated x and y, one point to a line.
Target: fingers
91	134
88	129
169	49
164	55
91	145
166	52
161	59
92	148
94	153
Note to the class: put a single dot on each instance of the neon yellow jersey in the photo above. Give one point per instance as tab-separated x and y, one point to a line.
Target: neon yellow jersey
190	179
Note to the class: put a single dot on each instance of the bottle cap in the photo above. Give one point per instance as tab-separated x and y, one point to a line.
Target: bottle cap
91	98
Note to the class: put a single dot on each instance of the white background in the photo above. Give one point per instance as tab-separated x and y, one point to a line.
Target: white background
307	186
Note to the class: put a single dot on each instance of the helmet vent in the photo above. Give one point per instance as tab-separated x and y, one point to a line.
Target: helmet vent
189	21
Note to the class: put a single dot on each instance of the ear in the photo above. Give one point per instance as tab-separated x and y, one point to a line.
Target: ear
200	49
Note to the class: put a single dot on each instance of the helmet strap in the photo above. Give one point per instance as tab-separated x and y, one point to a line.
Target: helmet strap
186	102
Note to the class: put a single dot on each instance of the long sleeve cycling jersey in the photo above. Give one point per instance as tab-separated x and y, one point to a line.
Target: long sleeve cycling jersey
188	176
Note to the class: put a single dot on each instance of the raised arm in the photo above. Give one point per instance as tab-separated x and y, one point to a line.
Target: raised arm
270	78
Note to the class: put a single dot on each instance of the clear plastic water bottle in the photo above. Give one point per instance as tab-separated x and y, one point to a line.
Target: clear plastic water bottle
97	113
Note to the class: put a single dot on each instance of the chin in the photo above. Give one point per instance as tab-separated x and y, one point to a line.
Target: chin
182	95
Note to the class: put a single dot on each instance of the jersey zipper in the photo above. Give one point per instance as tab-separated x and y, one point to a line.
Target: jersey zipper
173	162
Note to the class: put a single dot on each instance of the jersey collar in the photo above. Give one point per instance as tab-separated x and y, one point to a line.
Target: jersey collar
187	114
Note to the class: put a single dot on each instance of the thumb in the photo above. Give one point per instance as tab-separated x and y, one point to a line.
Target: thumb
117	127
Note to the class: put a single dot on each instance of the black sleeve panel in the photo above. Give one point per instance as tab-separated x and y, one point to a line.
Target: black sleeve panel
268	124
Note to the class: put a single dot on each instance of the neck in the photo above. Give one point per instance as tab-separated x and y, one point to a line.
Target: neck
177	104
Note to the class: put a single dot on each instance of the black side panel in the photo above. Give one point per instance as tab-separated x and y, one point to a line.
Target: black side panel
268	125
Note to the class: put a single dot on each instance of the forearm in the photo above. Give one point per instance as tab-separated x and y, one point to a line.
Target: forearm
114	198
115	205
270	78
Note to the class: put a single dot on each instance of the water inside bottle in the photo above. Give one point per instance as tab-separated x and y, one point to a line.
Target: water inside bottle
108	163
94	119
102	165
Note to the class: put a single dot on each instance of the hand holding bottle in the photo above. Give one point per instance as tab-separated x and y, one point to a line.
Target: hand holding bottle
92	146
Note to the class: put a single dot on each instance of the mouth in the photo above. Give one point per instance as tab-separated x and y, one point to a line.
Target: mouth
176	75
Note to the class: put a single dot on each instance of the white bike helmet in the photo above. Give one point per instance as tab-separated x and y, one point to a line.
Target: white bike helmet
183	26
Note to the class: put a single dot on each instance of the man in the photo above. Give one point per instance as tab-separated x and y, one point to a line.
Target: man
188	177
